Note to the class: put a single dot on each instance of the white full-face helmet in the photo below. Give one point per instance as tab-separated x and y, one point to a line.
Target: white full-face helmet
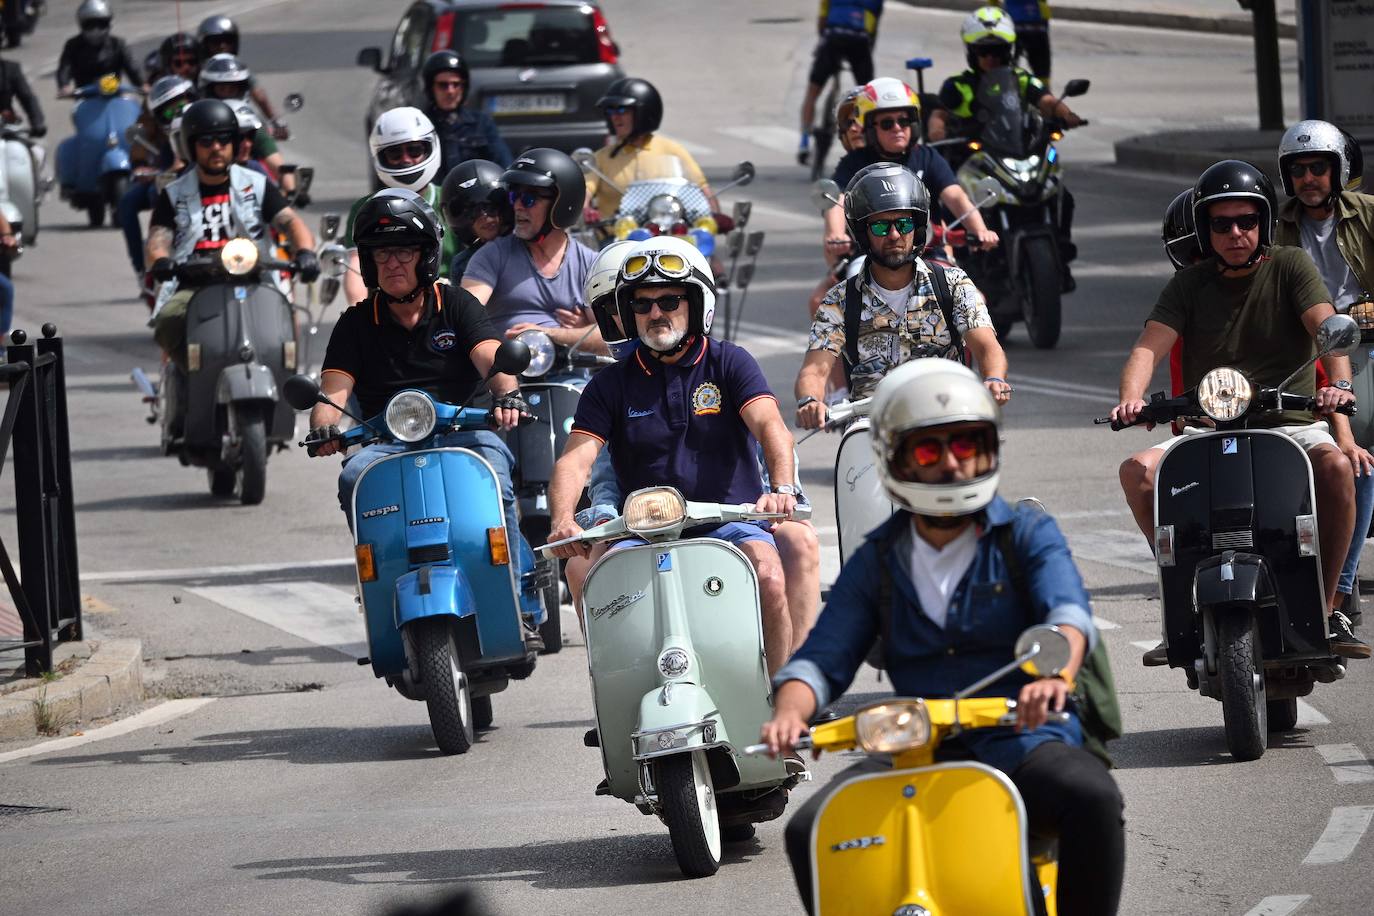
403	126
912	401
598	292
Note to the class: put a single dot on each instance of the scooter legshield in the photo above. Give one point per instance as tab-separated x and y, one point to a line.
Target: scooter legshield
434	507
861	504
699	594
950	837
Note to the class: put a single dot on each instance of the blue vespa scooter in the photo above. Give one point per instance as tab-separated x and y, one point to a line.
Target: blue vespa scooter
440	593
93	165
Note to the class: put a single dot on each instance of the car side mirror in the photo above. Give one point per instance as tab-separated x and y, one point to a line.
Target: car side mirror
1076	87
512	358
301	392
1044	651
371	57
825	194
1338	335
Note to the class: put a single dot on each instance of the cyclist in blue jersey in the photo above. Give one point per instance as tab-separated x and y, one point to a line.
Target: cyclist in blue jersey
847	29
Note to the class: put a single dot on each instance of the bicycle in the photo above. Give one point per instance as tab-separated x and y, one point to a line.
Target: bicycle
823	133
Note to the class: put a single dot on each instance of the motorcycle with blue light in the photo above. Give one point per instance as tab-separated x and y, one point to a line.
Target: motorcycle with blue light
679	677
441	596
1236	543
927	838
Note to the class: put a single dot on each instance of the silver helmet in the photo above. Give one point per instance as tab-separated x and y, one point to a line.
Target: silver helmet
1312	138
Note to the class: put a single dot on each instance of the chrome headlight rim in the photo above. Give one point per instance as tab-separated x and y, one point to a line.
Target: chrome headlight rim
410	416
664	522
893	726
543	352
1225	394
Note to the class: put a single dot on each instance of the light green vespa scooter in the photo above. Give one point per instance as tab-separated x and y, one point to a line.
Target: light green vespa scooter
679	678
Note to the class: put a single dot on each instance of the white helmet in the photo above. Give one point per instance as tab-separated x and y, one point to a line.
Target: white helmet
1307	138
598	293
178	141
920	395
668	260
405	125
249	122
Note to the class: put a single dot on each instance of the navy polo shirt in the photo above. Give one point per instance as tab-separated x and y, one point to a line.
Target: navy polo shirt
679	425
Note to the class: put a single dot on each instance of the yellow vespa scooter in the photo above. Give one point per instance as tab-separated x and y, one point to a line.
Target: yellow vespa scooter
927	838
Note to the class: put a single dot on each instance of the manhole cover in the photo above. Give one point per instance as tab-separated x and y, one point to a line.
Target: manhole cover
16	810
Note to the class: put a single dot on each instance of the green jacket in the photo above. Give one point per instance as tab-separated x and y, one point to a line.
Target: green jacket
1354	232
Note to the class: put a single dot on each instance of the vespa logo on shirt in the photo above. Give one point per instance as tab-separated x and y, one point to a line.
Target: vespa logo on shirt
444	340
706	399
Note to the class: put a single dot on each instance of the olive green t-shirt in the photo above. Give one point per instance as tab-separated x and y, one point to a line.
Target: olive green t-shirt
1252	323
431	196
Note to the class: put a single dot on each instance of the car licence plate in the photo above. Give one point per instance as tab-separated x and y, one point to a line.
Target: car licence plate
528	103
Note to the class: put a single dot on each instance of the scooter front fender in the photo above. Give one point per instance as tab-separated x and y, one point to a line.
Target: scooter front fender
246	382
1241	578
682	717
432	591
114	161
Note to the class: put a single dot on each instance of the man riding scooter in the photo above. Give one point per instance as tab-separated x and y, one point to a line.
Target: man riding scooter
95	52
683	411
1254	307
414	333
476	207
464	133
947	584
220	35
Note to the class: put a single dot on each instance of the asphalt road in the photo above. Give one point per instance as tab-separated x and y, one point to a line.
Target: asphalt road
284	778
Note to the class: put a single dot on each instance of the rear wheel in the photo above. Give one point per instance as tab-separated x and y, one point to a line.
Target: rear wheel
95	214
481	712
1042	303
1240	664
688	798
445	685
251	422
1283	715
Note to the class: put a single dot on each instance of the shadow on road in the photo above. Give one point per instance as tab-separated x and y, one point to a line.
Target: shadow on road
611	861
1188	747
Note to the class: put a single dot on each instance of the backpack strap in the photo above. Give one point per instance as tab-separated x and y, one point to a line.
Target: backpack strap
1006	543
853	308
877	653
944	297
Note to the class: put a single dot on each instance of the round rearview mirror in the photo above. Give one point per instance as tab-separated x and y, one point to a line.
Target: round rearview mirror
294	102
744	173
1338	335
584	157
1047	648
825	194
512	358
301	392
334	259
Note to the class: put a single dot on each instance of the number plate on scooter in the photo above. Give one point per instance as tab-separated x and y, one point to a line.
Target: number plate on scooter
665	562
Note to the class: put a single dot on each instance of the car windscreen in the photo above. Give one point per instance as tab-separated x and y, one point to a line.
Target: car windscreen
523	36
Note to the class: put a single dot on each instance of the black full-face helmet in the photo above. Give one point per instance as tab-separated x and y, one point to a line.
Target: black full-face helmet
398	217
640	97
550	168
1178	234
219	30
1233	179
444	62
881	187
467	186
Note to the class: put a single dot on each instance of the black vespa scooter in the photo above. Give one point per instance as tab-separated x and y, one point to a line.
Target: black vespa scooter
1235	538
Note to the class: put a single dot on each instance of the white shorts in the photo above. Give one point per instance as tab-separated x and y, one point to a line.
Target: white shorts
1308	435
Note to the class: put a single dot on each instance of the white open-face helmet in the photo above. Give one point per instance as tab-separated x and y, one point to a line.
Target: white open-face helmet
598	293
668	260
405	125
914	399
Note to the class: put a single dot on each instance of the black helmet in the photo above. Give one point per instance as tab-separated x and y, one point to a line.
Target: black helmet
1233	179
181	41
549	168
398	216
443	62
1180	240
218	27
205	117
467	185
640	97
885	186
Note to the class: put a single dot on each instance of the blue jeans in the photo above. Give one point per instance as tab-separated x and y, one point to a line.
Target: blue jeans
6	304
138	198
494	451
1364	508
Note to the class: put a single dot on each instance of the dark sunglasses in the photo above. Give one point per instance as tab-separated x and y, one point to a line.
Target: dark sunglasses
879	228
209	140
617	110
667	303
925	453
402	152
1221	225
1318	169
889	123
527	199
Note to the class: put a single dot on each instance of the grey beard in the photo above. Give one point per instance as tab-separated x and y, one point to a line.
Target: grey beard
667	344
894	262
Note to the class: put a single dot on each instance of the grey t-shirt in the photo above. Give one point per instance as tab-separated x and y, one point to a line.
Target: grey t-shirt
1319	241
519	292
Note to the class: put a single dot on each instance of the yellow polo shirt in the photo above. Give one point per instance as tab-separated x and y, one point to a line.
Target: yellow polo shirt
651	156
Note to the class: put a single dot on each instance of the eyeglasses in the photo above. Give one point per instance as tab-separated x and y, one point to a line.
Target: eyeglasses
527	199
1318	169
927	452
879	228
402	153
399	255
889	123
668	303
664	263
206	141
1221	225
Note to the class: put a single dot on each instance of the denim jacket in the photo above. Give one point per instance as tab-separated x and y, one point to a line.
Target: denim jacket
984	618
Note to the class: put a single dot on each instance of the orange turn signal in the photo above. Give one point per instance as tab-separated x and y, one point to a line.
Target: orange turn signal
975	145
496	543
1056	135
367	566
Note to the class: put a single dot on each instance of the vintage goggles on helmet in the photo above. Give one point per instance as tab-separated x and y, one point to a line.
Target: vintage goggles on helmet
664	263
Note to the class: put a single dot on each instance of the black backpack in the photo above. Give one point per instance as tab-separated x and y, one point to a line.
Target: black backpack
853	307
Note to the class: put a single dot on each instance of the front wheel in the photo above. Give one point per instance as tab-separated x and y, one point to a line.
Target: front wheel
95	214
688	798
1282	715
1240	664
1041	303
116	186
445	685
251	422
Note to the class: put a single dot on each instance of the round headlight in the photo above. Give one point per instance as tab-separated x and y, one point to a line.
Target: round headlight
665	210
653	509
542	352
890	728
410	416
239	256
1225	394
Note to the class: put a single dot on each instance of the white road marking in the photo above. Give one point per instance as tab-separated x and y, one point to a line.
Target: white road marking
1091	513
209	572
769	136
1020	384
1104	624
163	712
1348	765
317	613
1279	906
1343	833
1308	715
1114	547
1144	645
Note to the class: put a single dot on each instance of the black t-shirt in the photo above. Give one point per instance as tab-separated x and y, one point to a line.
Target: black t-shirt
214	199
928	165
82	63
382	357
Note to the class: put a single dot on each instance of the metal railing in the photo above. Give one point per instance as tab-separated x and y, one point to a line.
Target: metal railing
35	423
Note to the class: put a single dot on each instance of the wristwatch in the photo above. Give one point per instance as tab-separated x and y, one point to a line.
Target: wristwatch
804	401
1343	384
785	489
